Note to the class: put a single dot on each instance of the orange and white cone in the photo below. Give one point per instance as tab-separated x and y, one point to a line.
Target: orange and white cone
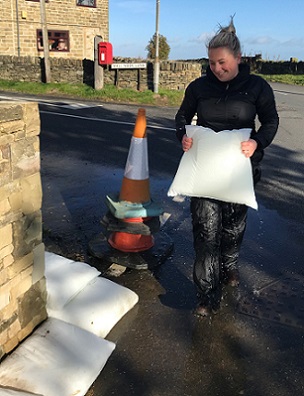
135	188
135	185
130	243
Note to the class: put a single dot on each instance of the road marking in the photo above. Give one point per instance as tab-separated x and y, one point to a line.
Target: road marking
103	120
66	105
77	106
72	106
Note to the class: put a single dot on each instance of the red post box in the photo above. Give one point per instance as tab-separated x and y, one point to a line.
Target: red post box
105	53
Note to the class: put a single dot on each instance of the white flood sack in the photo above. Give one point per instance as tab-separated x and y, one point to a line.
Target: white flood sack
58	359
12	392
65	279
215	167
77	295
98	307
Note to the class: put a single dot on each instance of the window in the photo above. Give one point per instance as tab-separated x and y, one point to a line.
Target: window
58	40
86	3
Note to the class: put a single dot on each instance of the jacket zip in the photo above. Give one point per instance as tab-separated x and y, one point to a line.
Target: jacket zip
226	96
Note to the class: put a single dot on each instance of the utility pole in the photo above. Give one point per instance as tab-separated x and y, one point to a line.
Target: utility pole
45	40
98	69
156	62
18	31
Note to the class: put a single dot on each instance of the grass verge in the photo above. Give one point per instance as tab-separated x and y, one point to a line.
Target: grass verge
285	78
110	93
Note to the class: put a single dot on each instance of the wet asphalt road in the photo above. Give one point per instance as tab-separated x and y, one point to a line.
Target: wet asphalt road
254	345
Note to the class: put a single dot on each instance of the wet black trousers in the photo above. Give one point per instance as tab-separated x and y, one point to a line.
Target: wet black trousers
218	231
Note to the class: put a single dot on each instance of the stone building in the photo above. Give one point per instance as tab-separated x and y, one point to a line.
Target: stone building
72	26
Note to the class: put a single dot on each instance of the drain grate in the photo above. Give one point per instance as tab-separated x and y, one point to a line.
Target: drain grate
281	301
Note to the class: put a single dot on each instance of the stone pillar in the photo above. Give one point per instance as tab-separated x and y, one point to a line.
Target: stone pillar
22	282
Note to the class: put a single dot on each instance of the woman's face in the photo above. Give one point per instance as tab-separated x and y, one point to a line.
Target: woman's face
223	63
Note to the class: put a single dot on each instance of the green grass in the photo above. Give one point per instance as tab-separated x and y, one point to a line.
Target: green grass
285	78
110	93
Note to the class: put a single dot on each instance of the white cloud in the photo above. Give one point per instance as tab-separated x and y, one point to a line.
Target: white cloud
293	43
274	42
202	38
174	40
261	40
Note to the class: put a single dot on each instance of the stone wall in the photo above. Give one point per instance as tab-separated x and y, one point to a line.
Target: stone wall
177	75
290	67
25	68
22	281
173	75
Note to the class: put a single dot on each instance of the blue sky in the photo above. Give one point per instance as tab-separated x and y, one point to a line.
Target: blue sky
273	28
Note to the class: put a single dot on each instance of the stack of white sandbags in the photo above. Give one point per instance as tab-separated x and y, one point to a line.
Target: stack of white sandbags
68	351
77	295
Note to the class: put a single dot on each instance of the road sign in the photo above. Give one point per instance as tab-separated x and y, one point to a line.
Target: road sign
128	66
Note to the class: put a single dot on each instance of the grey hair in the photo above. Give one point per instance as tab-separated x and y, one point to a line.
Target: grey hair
226	37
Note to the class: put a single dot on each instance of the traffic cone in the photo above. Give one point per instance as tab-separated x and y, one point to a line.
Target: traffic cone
135	185
135	189
133	217
129	243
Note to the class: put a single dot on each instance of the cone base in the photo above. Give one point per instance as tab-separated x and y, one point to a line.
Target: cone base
104	255
126	242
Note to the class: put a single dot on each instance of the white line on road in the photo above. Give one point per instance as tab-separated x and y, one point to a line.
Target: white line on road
78	106
102	120
50	102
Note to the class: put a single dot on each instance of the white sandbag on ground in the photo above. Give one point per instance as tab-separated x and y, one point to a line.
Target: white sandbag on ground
98	307
57	360
215	167
11	392
65	279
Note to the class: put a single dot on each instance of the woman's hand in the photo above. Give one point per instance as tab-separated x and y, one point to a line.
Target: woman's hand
186	143
248	147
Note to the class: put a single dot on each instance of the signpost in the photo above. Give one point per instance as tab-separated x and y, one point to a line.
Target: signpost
156	63
98	70
126	66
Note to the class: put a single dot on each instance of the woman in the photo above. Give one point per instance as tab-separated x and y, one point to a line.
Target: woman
227	97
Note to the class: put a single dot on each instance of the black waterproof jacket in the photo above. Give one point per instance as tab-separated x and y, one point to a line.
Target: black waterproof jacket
231	105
